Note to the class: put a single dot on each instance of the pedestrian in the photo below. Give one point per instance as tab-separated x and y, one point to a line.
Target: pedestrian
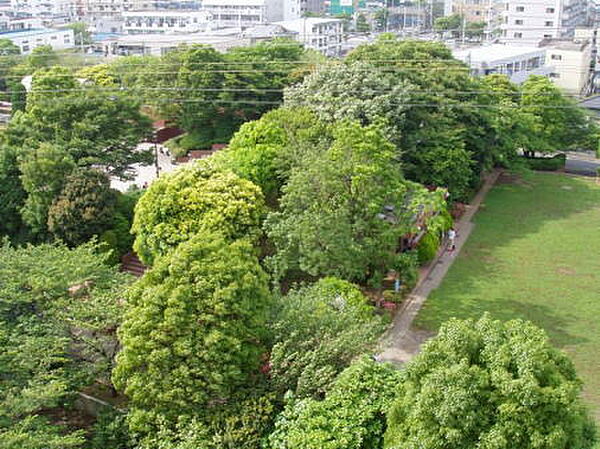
452	239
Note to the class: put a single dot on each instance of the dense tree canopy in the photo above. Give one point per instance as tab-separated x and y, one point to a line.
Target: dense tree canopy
318	331
265	150
85	207
12	195
351	416
43	174
343	210
489	384
200	196
193	331
58	308
97	128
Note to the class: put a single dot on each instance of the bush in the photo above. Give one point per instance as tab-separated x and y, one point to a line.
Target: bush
110	431
407	269
181	145
428	247
547	163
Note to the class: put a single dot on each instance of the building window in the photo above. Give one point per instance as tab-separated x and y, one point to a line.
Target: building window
556	57
555	75
518	22
518	35
550	10
547	36
548	23
25	47
520	9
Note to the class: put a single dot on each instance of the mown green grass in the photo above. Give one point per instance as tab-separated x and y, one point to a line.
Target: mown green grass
534	254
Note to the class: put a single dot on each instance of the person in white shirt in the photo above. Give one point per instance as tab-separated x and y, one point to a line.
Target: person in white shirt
451	239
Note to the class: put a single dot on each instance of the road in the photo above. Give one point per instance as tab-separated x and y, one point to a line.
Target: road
582	166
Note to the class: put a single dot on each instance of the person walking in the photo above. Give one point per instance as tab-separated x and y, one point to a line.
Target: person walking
452	239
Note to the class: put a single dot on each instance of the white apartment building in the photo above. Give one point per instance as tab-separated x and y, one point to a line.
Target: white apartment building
517	62
139	22
527	22
30	39
323	35
44	7
17	22
237	13
472	10
571	64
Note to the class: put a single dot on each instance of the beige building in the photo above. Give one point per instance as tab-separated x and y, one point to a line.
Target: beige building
472	10
570	62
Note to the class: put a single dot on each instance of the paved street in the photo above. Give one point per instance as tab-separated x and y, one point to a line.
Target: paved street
580	166
147	173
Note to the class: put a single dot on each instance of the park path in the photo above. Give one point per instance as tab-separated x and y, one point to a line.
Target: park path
401	342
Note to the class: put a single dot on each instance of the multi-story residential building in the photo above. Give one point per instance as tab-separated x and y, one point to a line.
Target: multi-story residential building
10	21
139	22
323	35
40	8
517	62
471	10
237	13
29	39
572	64
527	22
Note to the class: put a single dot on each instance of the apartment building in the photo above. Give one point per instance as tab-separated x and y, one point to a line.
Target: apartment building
140	22
472	10
516	62
40	8
323	35
528	22
572	64
10	21
27	40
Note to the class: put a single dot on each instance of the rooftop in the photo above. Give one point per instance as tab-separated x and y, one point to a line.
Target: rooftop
495	52
565	44
31	32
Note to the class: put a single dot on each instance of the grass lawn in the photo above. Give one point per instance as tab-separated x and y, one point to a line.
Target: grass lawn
534	254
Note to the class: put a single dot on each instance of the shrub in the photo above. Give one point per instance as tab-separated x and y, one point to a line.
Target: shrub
547	163
110	431
428	247
407	269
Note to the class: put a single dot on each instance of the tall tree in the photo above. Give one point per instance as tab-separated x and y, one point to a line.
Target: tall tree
200	196
265	150
84	208
489	384
193	331
43	175
12	194
58	307
332	218
318	330
351	416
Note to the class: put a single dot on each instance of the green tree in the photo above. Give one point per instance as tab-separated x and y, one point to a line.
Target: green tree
58	309
318	330
484	384
41	57
382	16
351	416
84	208
50	84
558	124
362	26
12	195
82	35
332	220
193	331
43	174
475	29
8	48
265	150
178	205
98	129
258	74
452	24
